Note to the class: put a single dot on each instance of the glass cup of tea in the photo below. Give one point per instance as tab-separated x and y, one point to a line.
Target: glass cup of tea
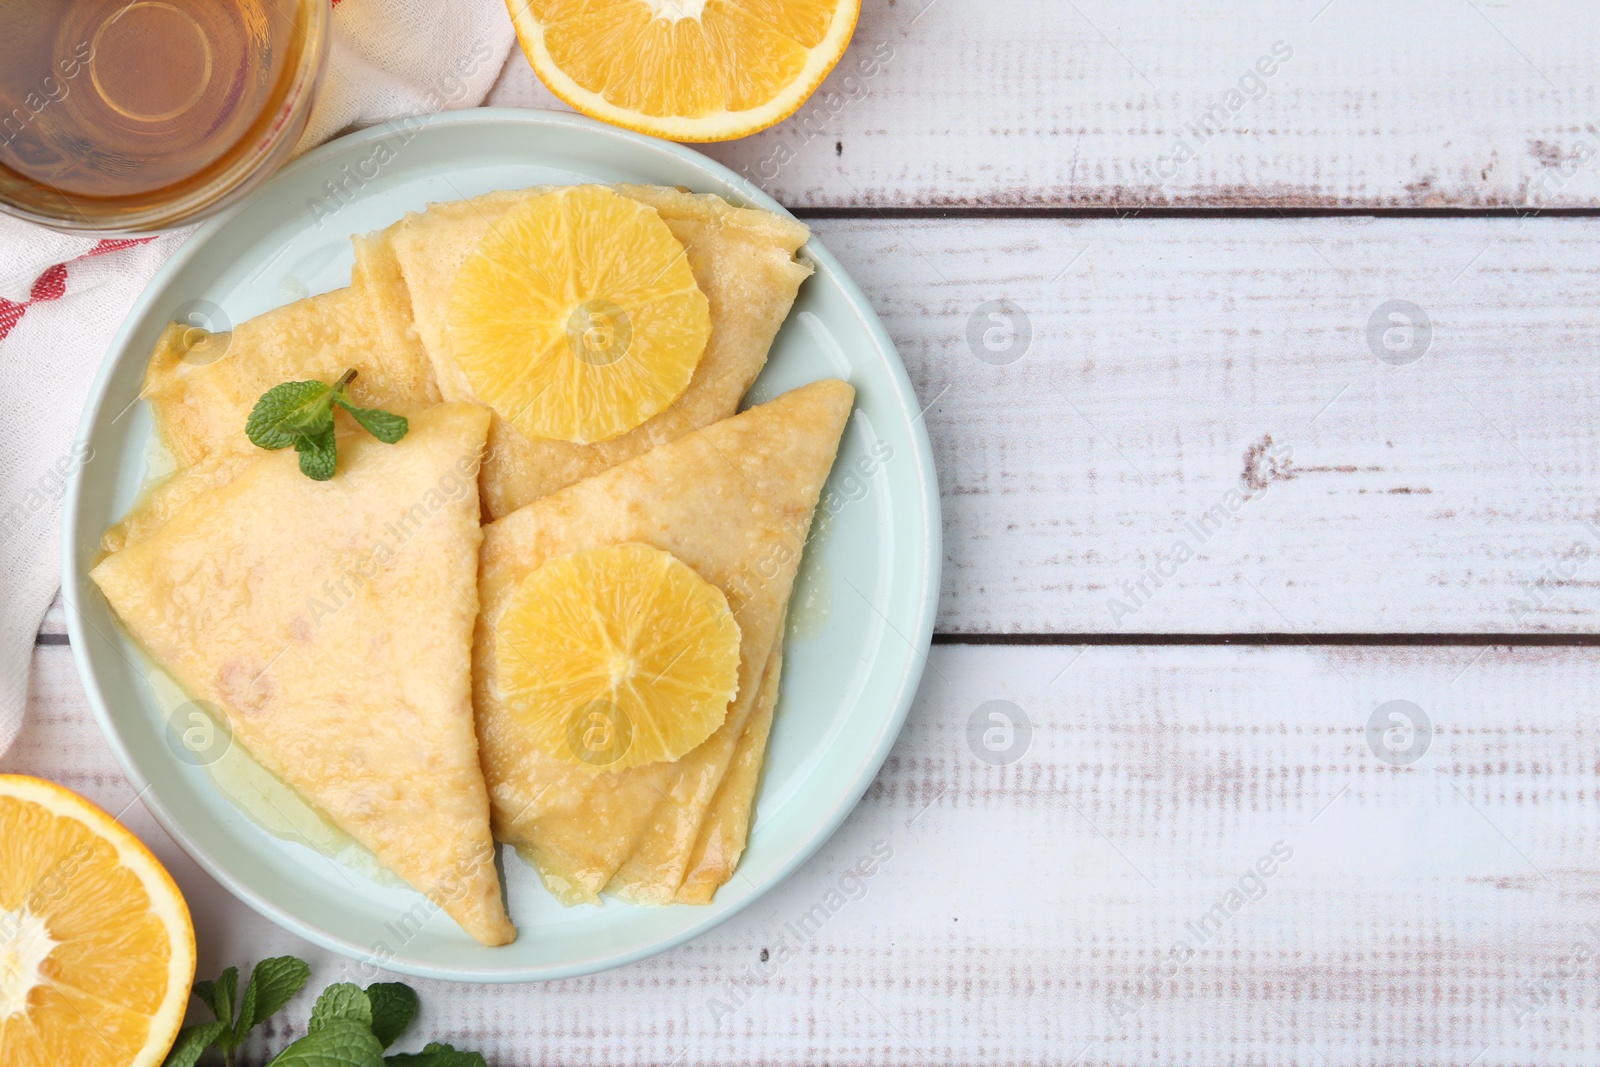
131	116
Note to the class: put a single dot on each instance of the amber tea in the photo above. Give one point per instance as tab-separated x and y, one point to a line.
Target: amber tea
118	114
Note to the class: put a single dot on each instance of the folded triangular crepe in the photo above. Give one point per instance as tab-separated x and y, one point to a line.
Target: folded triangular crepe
742	259
734	501
331	622
201	386
166	498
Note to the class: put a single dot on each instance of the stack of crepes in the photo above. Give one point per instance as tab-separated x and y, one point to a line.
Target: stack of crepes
352	631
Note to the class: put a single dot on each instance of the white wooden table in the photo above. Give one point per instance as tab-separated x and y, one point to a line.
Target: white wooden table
1209	508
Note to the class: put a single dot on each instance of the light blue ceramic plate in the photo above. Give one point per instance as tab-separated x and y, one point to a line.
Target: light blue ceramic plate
854	653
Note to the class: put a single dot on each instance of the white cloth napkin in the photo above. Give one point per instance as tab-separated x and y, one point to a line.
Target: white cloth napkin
62	298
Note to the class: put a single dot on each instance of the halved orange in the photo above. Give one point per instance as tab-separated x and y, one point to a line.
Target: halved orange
618	656
96	945
688	70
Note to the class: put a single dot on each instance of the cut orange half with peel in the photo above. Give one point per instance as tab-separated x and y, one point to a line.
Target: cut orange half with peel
619	656
687	70
96	944
578	317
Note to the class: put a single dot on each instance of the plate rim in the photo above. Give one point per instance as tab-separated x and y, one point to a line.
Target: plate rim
74	577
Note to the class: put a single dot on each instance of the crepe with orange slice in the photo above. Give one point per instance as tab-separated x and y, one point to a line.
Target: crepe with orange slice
734	502
742	260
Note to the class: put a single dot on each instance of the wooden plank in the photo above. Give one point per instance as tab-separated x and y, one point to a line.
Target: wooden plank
1197	434
1451	103
1437	905
1212	383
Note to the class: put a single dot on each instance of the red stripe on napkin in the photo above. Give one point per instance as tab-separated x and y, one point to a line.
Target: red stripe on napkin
10	312
52	284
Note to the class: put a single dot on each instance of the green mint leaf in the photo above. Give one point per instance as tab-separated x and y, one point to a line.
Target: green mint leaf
301	414
285	413
218	995
435	1054
384	425
319	456
342	1002
337	1043
192	1041
206	993
350	1027
273	983
247	1014
394	1005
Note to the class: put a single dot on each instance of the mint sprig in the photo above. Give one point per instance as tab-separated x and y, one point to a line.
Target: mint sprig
300	414
349	1026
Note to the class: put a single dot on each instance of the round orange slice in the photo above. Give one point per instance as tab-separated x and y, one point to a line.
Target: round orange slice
96	945
688	70
577	317
616	657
